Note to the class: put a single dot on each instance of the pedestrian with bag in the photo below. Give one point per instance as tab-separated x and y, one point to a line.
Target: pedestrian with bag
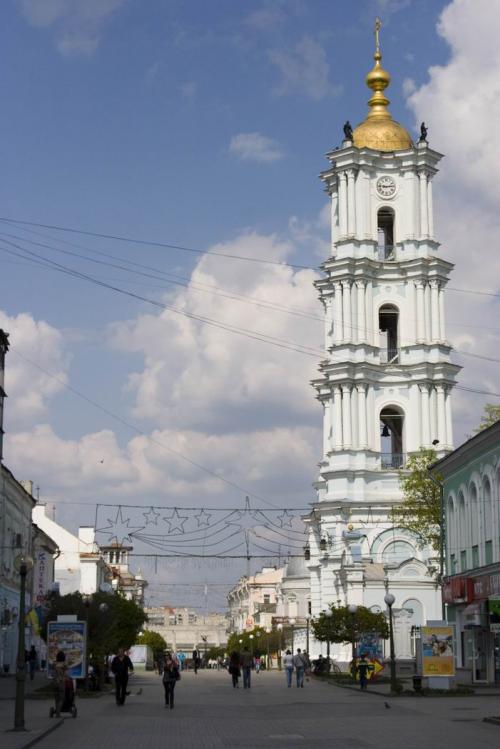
171	675
247	665
121	665
288	666
234	668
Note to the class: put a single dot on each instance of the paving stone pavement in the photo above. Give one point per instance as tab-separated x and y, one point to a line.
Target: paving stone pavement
210	714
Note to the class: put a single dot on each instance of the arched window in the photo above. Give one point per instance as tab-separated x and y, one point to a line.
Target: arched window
397	552
488	522
462	526
391	437
474	524
415	611
388	324
451	522
385	233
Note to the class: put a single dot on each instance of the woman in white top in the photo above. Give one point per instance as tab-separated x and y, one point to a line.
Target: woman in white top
288	666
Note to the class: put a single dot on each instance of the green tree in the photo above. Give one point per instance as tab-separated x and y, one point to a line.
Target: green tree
420	510
112	621
155	641
491	414
258	643
343	627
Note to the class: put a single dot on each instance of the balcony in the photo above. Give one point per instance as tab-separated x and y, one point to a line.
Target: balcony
386	254
389	355
392	461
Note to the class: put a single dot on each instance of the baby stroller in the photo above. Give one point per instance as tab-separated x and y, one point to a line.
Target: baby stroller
68	703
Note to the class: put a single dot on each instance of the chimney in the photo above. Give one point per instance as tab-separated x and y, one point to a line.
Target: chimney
27	485
4	347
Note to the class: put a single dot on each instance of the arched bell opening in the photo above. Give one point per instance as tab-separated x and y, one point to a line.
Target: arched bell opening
385	233
391	438
388	323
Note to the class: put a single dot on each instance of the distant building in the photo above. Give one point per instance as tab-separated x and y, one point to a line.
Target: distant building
255	600
471	591
122	579
185	630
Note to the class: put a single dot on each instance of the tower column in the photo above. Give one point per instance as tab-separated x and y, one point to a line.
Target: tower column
337	418
334	219
351	203
346	417
337	314
424	217
420	312
424	396
346	299
370	332
342	204
442	333
361	329
435	336
327	427
328	322
430	208
362	432
441	415
427	312
449	423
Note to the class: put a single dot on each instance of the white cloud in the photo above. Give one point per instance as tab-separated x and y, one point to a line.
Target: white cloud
461	106
255	147
28	388
409	87
78	23
304	70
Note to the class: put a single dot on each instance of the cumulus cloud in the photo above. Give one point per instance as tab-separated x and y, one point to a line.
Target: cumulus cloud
201	377
78	23
255	147
304	70
29	389
461	105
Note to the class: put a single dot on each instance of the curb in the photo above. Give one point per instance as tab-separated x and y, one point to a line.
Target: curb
43	734
359	691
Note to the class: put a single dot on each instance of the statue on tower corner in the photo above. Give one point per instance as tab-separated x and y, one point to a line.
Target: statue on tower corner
423	133
347	131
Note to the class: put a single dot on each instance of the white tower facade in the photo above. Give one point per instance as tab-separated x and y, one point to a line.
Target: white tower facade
386	380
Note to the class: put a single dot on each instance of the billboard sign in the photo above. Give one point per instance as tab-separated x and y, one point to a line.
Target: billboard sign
437	651
71	638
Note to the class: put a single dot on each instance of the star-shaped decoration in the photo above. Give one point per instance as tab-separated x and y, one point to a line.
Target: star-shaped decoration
285	519
176	522
151	516
203	518
119	529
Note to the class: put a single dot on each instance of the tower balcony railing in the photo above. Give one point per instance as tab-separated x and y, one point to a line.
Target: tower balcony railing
387	253
392	461
389	355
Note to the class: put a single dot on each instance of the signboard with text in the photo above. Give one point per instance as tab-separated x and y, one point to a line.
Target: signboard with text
71	638
437	651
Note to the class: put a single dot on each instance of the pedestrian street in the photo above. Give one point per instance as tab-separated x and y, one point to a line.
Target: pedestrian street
210	714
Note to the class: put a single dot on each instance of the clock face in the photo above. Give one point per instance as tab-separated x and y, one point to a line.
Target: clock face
386	187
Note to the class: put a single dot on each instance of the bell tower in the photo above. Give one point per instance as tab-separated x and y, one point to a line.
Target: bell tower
386	379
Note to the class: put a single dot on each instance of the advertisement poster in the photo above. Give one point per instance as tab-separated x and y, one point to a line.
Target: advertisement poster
369	647
494	611
71	638
437	651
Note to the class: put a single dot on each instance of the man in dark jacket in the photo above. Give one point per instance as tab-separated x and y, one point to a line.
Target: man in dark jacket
120	666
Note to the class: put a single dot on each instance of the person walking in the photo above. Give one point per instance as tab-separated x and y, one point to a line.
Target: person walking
59	681
246	664
32	660
120	666
170	676
288	666
363	667
299	663
196	661
234	668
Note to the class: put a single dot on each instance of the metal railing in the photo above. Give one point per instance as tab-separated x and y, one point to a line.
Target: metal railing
392	461
389	355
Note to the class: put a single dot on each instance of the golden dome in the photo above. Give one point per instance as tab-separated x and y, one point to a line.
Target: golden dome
379	131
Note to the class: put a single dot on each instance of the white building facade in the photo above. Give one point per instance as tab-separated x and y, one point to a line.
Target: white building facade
256	600
385	382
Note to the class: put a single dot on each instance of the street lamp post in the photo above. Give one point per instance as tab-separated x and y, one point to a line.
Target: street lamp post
251	644
352	608
389	600
308	619
292	624
280	630
23	564
268	632
327	613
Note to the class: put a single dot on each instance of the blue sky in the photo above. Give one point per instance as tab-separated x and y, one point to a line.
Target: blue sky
205	124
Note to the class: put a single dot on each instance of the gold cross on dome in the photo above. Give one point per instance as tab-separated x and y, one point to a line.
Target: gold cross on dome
376	31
